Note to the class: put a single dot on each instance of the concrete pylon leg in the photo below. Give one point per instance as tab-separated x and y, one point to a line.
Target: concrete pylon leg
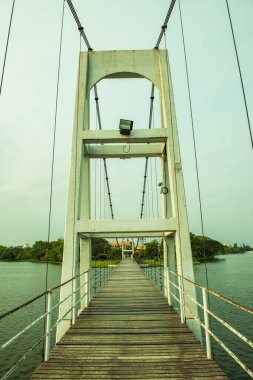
85	266
69	270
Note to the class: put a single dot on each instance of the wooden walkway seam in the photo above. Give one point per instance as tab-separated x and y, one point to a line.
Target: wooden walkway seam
129	332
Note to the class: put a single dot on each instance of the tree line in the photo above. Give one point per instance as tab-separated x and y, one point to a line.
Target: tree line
202	247
53	252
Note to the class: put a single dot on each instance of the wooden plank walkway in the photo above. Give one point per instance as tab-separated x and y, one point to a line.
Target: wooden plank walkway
129	332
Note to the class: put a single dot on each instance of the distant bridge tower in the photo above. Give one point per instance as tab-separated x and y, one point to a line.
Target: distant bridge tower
163	142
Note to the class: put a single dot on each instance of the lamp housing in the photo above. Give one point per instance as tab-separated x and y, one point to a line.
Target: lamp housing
125	126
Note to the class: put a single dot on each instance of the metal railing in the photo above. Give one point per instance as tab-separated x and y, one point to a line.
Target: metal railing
176	291
90	282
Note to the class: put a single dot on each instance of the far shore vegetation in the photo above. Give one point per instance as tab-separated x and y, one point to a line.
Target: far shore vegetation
104	254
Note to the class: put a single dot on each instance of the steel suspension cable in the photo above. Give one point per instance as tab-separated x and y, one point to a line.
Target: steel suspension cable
54	138
195	156
175	175
79	25
83	35
240	74
194	140
152	190
75	175
156	179
146	163
100	185
164	26
53	150
104	159
95	178
6	47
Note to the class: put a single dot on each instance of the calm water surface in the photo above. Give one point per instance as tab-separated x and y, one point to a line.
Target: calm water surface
231	275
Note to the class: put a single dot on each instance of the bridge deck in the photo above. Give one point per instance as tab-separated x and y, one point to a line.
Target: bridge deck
128	332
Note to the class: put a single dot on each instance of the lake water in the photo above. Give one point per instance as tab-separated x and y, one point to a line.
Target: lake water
231	275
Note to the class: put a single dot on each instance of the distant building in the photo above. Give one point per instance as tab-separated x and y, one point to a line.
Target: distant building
115	244
227	245
235	245
26	245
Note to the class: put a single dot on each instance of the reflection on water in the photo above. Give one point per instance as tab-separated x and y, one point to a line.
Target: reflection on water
230	275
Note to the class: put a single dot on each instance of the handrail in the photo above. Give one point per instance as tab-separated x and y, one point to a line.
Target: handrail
207	313
66	282
47	315
21	306
6	344
9	312
218	295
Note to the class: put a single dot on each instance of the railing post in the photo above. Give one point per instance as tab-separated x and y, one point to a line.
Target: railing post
206	320
168	286
89	285
181	298
165	281
86	287
48	326
74	302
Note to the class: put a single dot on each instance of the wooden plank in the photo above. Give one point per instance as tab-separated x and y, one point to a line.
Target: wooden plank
129	332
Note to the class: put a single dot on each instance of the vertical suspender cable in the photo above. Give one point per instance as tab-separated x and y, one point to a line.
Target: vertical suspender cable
163	28
83	35
173	143
95	178
194	140
54	140
104	159
101	188
195	151
156	180
6	47
240	73
53	150
76	168
151	190
146	161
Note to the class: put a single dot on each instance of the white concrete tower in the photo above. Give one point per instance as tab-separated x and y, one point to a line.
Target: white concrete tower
162	142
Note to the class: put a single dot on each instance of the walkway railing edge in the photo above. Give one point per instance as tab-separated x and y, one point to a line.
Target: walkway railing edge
207	313
48	313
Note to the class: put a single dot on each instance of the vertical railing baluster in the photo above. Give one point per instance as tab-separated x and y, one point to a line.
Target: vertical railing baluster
48	326
206	321
167	276
74	302
181	298
86	289
89	285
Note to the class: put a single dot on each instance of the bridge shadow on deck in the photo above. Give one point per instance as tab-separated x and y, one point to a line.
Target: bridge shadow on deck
128	332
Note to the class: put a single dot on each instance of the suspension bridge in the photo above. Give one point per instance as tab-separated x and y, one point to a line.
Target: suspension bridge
114	323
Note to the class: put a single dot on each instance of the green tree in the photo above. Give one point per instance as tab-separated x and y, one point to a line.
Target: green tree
54	252
101	249
39	249
205	247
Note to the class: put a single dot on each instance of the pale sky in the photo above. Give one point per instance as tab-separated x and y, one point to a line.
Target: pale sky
28	101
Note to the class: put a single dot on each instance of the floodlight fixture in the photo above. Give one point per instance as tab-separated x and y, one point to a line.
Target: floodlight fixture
125	126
